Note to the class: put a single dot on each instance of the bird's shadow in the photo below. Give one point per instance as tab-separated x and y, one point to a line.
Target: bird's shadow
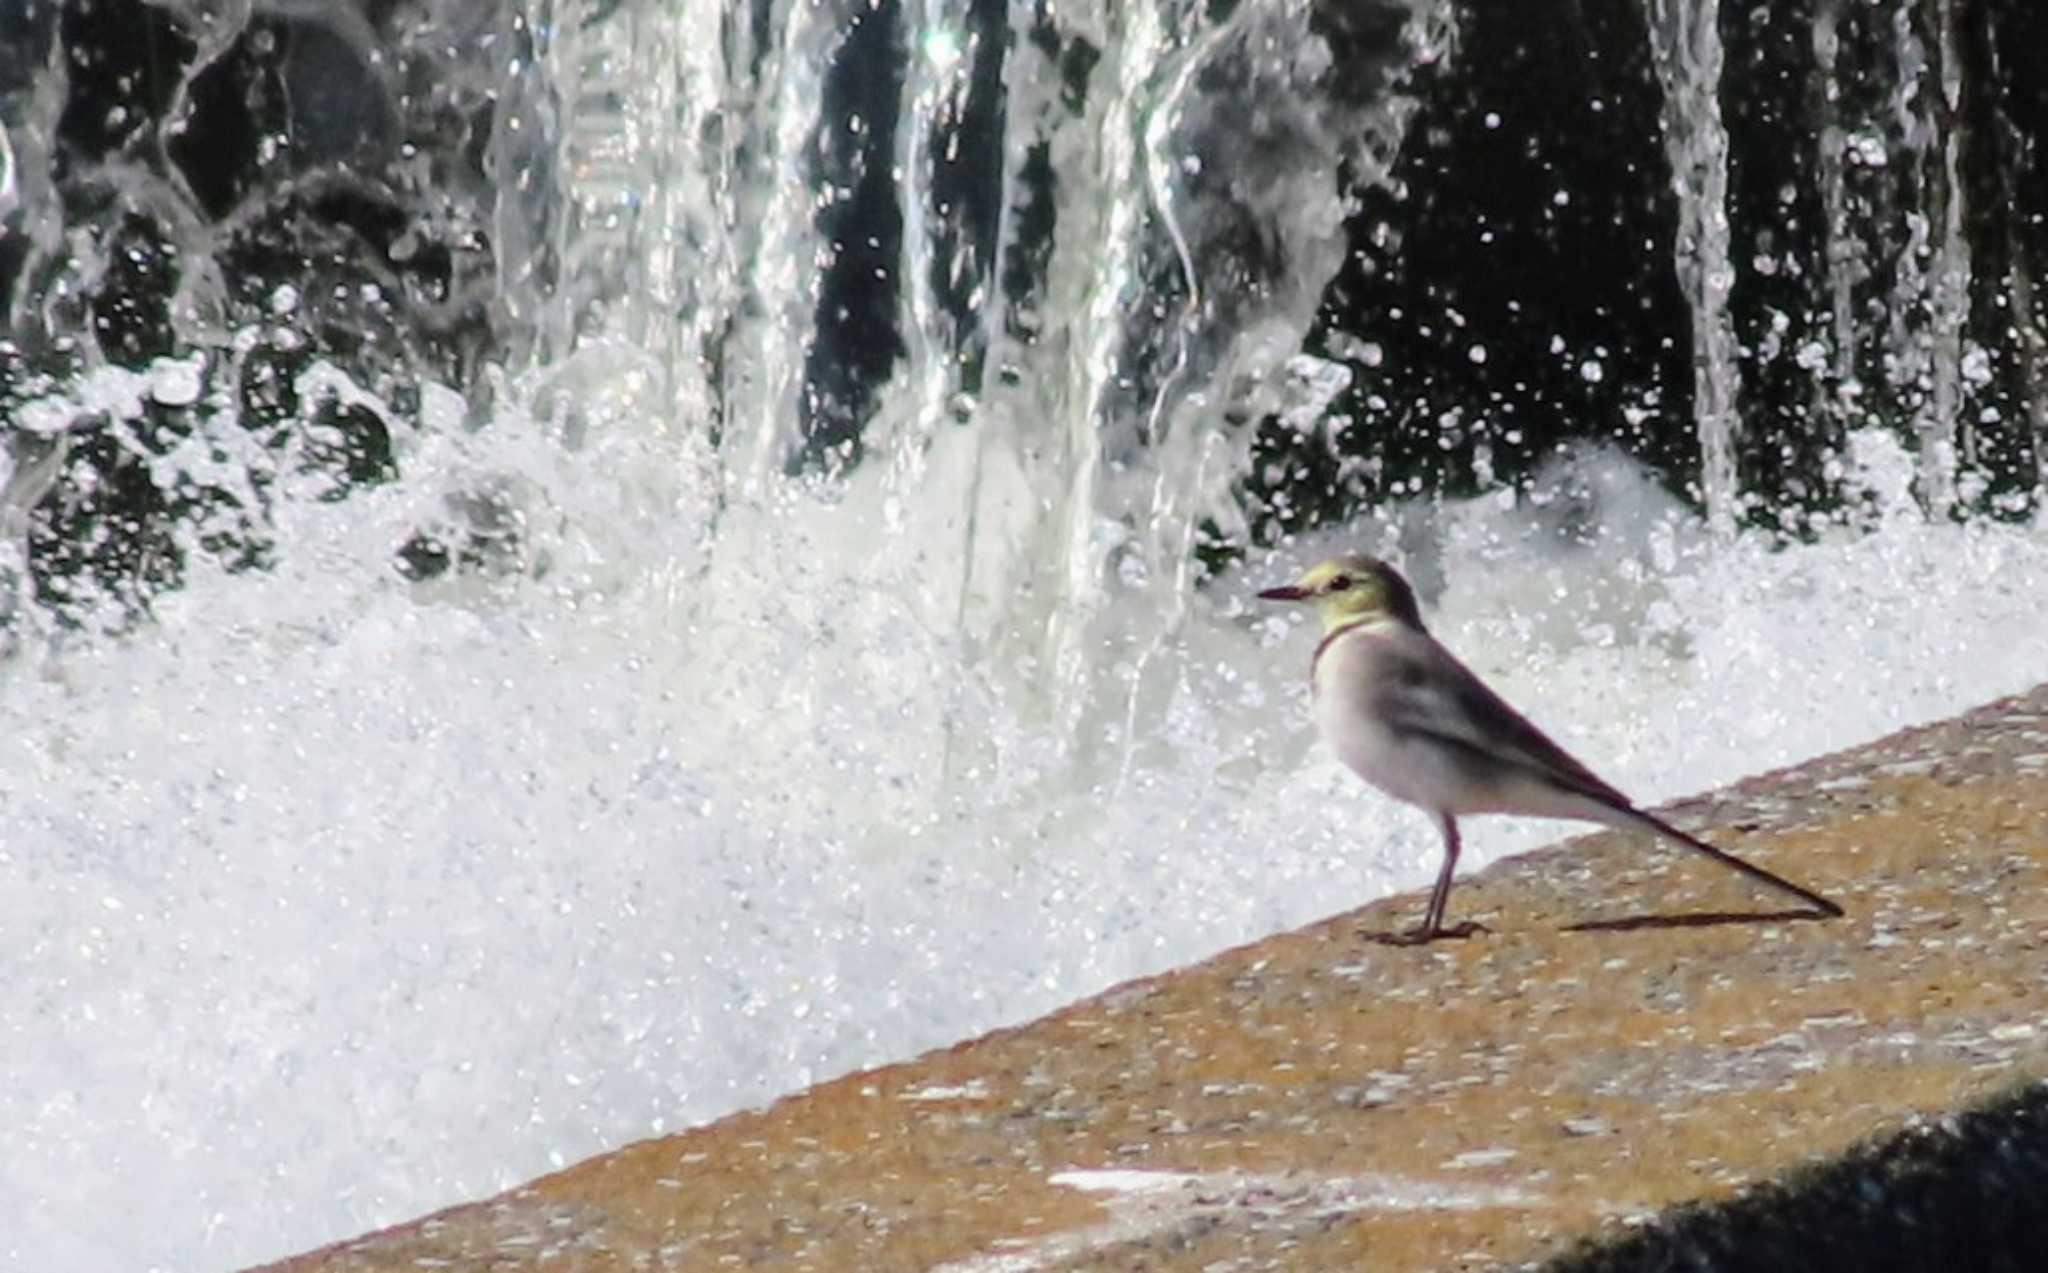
1692	919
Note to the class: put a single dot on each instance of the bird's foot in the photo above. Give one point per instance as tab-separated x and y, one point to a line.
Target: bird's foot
1422	935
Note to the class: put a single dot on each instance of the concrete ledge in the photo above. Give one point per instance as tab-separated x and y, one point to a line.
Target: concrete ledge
1634	1033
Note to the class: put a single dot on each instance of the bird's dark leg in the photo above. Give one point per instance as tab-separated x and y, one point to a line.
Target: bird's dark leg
1439	897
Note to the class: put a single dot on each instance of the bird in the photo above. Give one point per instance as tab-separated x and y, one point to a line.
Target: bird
1405	715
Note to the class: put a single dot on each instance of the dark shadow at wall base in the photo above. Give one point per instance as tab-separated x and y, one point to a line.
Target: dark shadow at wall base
1963	1193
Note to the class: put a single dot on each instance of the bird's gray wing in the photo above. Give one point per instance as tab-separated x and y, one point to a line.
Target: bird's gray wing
1423	689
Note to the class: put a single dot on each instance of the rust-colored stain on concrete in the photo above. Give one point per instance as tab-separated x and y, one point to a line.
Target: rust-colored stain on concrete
1635	1031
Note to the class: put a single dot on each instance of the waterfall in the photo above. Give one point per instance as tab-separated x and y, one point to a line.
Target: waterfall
1685	43
1929	308
1116	272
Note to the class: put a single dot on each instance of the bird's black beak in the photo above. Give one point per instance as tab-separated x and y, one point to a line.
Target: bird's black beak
1285	592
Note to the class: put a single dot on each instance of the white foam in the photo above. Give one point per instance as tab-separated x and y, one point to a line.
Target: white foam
330	899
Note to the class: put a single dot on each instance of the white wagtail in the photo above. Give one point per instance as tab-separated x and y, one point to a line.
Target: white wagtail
1411	720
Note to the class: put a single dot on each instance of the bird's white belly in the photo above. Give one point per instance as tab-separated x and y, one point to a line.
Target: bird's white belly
1405	765
1415	772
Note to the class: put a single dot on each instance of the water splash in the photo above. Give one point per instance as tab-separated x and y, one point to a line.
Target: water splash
349	897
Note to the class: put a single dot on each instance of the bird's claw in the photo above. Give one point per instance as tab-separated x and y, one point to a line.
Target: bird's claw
1422	935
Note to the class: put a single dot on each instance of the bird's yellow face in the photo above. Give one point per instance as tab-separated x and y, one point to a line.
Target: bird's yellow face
1352	589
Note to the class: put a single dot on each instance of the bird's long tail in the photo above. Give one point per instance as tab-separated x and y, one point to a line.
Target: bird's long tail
1652	822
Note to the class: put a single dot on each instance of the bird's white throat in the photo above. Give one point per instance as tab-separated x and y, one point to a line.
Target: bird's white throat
1364	628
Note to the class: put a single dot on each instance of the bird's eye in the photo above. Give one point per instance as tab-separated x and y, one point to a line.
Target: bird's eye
1340	583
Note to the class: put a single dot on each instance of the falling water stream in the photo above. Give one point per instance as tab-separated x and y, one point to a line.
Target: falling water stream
766	748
